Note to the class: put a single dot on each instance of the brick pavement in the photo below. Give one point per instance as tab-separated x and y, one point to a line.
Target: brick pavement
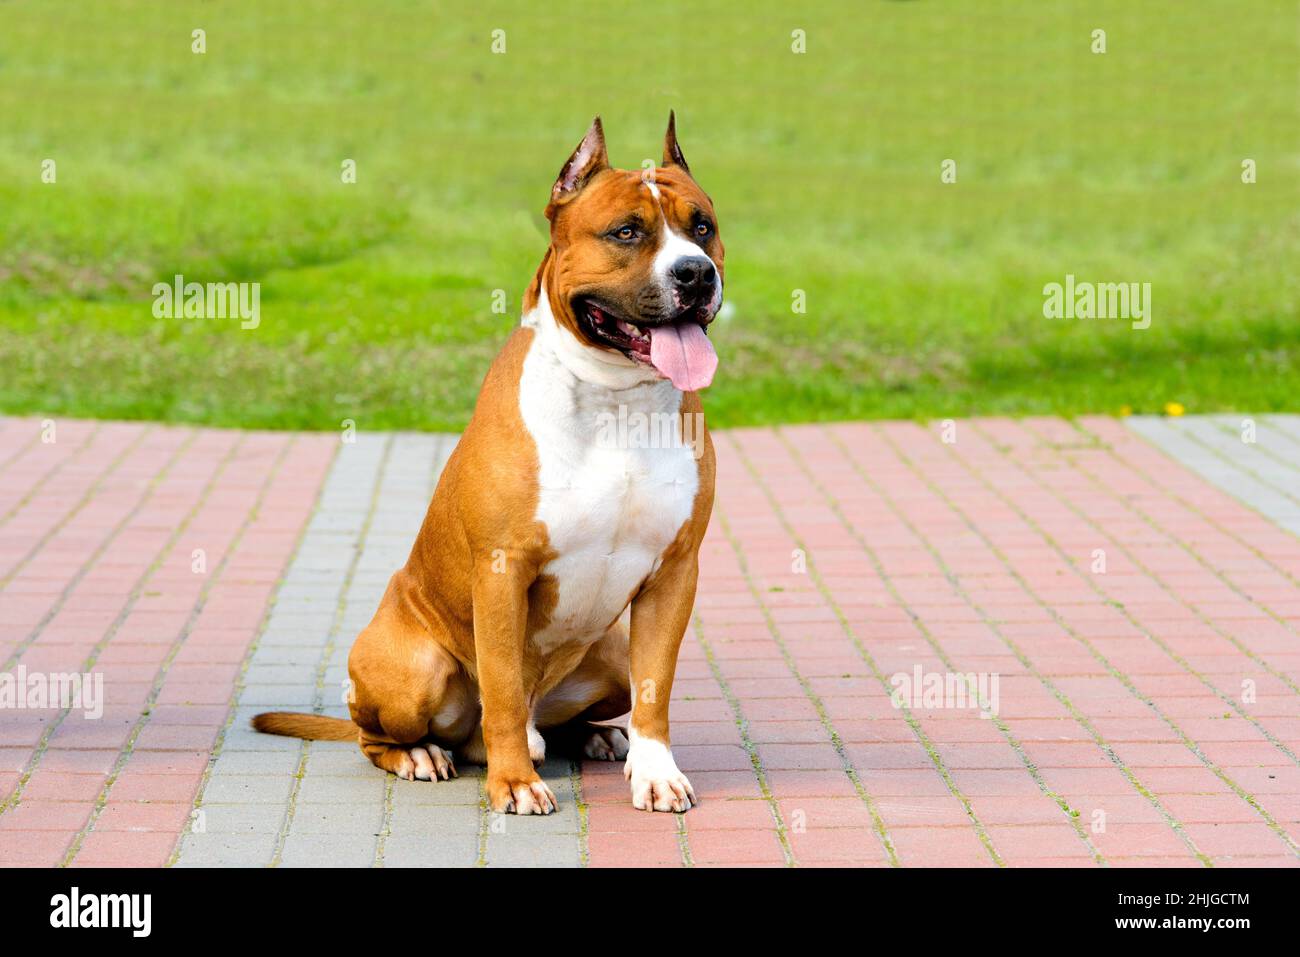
1125	595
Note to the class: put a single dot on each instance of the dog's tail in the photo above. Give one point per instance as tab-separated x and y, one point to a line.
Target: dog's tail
313	727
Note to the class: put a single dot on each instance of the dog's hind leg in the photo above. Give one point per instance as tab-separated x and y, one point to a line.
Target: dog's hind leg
411	699
597	690
417	762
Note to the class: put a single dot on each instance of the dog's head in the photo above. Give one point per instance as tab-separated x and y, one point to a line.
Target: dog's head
635	263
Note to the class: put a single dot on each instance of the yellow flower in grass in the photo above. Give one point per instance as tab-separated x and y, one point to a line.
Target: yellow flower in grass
1125	411
1174	408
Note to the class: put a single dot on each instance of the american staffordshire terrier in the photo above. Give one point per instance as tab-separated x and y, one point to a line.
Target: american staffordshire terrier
554	575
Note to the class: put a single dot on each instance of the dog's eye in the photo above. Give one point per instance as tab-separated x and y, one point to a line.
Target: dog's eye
703	229
625	233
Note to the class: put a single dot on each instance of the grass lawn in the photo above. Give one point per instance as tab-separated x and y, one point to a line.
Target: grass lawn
923	298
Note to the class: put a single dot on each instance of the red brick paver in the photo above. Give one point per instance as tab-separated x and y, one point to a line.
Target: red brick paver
843	556
138	553
1140	629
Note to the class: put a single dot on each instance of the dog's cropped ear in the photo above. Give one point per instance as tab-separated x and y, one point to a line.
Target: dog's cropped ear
587	160
672	152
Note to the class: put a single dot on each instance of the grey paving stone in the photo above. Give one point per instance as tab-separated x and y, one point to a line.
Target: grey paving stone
315	621
351	819
298	637
461	790
242	818
280	697
341	524
300	575
323	559
1275	435
293	601
327	596
349	763
429	819
227	850
459	850
248	789
558	776
561	822
1287	426
517	849
331	789
266	763
240	737
269	656
320	850
1249	472
1259	457
268	674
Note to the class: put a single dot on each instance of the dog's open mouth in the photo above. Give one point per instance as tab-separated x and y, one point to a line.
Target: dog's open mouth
679	350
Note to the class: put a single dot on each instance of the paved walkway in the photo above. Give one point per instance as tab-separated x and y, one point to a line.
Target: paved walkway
1124	595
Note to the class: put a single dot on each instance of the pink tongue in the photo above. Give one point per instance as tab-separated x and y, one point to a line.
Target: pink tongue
684	354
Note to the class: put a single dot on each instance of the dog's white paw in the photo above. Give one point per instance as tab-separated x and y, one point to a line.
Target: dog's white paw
657	784
427	762
606	744
536	745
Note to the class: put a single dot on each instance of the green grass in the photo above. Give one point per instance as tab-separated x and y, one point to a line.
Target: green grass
924	299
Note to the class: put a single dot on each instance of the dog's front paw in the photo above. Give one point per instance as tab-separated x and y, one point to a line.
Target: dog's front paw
524	795
657	784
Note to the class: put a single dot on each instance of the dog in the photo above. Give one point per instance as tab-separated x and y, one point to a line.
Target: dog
554	575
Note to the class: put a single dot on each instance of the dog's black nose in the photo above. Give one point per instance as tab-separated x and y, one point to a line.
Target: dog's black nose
694	273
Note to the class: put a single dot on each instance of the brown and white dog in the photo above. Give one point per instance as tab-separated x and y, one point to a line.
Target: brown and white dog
548	527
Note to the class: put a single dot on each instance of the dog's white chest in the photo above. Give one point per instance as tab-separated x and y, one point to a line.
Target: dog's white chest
616	483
